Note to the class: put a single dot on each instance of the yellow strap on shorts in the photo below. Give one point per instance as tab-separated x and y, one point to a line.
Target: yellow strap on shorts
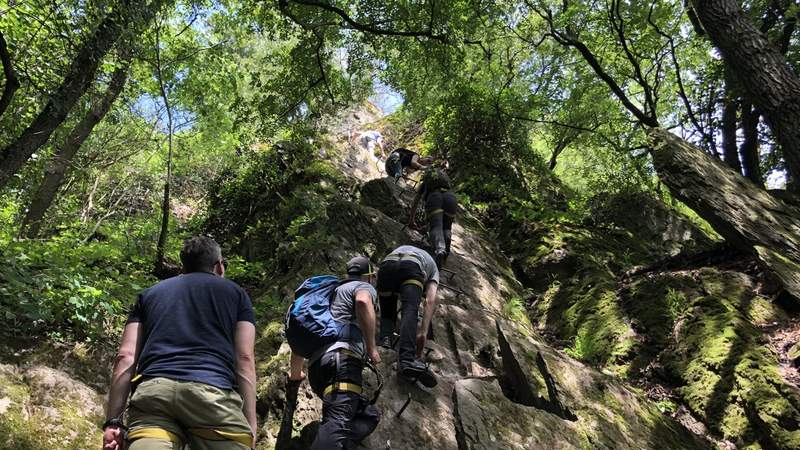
155	433
347	387
414	282
212	434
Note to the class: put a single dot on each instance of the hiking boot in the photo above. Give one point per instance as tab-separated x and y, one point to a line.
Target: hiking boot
416	370
439	258
386	342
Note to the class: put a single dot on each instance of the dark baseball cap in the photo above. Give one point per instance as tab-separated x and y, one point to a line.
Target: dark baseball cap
359	266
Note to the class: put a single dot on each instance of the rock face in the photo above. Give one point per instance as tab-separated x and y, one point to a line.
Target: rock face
748	217
500	386
41	407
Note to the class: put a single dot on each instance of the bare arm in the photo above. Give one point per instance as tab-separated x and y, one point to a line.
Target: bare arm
296	368
124	367
246	370
427	316
365	314
415	164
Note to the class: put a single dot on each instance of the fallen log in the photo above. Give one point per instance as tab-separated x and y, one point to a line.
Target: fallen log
748	217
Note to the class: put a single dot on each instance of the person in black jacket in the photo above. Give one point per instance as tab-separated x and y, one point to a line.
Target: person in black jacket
440	208
403	160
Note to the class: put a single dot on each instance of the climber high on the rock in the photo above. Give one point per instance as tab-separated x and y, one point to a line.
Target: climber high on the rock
440	208
190	340
403	160
405	274
335	369
370	139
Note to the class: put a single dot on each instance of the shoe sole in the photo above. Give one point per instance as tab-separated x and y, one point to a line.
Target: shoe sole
423	376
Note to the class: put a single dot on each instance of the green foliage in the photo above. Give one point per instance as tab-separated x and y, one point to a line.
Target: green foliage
514	309
67	288
269	209
676	303
583	348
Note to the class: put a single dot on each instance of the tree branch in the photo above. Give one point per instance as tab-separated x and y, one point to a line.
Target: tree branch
618	25
365	27
681	90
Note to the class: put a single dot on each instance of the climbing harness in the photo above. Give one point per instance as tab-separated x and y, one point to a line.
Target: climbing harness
210	434
352	387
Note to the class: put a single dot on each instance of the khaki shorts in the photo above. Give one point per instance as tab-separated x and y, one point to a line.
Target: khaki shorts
165	414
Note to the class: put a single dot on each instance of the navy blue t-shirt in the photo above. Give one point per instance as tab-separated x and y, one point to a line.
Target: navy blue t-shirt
188	328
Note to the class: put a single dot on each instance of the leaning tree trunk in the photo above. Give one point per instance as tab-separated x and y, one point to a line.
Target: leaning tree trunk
57	167
760	67
79	77
12	83
748	217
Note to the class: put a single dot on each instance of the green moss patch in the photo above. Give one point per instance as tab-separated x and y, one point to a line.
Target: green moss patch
695	331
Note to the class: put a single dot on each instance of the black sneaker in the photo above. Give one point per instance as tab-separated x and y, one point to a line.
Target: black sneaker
386	342
417	371
439	258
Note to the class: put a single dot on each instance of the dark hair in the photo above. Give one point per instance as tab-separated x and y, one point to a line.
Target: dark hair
199	254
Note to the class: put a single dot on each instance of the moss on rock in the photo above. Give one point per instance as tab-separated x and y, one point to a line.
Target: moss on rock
45	408
697	330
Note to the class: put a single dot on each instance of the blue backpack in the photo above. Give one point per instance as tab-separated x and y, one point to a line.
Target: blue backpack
310	327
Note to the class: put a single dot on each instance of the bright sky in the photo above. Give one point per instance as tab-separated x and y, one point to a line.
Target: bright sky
384	97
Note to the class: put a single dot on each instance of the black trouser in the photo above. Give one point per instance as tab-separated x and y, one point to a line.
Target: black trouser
441	210
403	279
347	418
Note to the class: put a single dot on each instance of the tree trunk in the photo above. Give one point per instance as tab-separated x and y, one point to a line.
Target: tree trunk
749	148
730	153
760	67
748	217
57	167
556	152
79	77
12	83
160	263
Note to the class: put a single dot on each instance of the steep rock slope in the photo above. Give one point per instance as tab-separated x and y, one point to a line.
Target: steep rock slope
500	385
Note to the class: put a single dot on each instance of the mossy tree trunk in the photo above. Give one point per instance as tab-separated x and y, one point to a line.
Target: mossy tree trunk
747	216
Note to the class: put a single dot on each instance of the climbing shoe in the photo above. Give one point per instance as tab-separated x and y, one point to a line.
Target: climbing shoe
417	371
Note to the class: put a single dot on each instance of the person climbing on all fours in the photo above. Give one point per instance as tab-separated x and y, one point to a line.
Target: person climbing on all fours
370	139
190	340
335	368
405	274
440	208
402	161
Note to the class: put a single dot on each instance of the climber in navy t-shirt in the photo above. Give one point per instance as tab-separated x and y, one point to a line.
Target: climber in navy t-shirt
190	336
188	344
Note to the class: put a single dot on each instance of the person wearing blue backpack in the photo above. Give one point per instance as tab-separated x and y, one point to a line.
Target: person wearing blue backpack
339	318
